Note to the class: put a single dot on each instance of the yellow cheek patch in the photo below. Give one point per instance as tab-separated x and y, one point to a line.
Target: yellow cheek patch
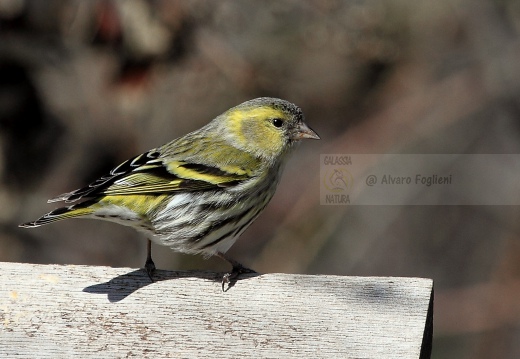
254	130
237	117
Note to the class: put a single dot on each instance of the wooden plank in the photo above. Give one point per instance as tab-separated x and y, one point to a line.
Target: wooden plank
65	311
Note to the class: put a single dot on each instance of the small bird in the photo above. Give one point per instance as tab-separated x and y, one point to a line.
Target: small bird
198	193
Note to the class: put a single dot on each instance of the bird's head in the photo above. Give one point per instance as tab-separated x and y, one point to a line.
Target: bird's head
265	127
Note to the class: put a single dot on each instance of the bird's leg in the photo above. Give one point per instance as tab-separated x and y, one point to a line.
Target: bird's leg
235	272
149	265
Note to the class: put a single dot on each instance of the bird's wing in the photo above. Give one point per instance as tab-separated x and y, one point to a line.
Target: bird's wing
149	173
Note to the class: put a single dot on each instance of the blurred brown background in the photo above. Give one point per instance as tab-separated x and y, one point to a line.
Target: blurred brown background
84	85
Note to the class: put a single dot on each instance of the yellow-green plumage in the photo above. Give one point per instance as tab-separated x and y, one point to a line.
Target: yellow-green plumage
198	193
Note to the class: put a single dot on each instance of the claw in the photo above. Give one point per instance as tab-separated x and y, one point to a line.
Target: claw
225	280
231	277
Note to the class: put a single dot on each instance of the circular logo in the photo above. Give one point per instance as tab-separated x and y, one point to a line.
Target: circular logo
337	180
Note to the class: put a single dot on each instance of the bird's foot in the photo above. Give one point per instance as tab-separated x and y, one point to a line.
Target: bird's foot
231	277
149	267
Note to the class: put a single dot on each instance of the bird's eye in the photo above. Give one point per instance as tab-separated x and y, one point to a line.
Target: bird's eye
277	122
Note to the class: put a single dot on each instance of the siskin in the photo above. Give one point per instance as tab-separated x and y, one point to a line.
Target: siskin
198	193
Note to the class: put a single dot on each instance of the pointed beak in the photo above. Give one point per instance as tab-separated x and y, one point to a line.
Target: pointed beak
304	131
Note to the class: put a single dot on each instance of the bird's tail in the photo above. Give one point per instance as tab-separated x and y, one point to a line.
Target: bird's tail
76	210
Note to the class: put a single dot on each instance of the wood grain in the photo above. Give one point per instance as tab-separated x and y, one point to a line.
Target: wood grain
65	311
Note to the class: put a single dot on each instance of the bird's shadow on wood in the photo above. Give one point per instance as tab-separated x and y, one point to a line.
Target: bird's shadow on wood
120	287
